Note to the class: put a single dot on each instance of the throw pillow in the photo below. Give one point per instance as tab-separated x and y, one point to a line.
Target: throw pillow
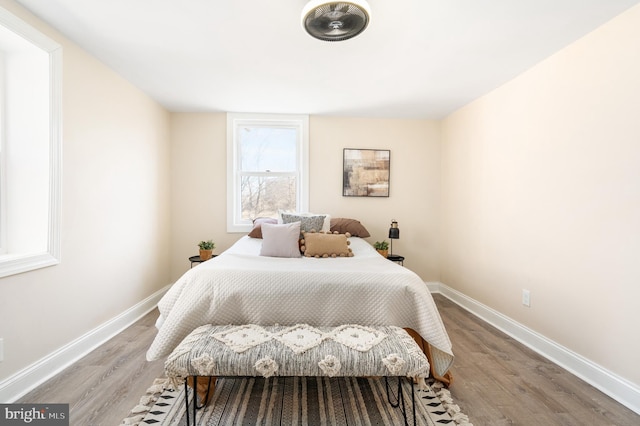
256	232
319	244
326	226
280	240
307	223
343	225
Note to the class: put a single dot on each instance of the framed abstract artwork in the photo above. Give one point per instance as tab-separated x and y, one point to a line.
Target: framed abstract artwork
365	172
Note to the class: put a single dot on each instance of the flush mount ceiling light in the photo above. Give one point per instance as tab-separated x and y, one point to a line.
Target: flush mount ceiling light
335	21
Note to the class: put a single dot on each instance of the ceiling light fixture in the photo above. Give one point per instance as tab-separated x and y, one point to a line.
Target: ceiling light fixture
335	21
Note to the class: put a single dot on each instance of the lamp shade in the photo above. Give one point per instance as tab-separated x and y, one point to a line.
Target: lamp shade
394	231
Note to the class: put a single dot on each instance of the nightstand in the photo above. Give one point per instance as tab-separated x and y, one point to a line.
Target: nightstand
396	258
196	259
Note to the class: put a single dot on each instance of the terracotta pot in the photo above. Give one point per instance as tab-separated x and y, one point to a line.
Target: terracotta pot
206	254
384	253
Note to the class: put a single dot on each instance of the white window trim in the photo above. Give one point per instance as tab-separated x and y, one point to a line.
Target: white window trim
11	264
3	166
233	201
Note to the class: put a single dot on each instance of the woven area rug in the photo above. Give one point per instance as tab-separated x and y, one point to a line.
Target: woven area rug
297	401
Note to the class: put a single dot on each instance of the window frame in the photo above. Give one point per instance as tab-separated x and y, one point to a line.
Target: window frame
19	262
235	223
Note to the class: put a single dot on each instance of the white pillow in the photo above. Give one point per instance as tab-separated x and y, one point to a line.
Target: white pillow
326	227
280	240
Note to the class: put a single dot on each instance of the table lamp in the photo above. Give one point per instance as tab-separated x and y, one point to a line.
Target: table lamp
394	233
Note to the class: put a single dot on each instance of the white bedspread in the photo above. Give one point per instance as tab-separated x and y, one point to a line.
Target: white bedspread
241	287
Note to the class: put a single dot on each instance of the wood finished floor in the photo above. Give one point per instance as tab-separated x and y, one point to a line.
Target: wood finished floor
498	381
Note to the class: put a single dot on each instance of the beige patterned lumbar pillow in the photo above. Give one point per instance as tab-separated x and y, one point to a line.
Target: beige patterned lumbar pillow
320	244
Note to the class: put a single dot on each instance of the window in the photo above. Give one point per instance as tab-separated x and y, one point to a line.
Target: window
267	167
30	147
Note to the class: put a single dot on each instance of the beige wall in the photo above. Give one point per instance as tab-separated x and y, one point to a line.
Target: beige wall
115	213
541	191
198	186
414	183
198	156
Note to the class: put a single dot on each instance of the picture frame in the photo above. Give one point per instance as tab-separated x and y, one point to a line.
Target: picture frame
366	172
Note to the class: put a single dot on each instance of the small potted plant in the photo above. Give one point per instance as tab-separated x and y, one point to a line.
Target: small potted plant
382	247
206	249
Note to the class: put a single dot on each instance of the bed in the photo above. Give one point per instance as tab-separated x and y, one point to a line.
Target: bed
240	286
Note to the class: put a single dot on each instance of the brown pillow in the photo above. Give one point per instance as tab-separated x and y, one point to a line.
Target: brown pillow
256	232
319	244
343	225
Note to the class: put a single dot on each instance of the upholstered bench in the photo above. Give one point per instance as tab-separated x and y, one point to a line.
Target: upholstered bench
300	350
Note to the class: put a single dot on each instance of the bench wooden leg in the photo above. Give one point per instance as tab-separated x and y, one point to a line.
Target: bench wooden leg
447	378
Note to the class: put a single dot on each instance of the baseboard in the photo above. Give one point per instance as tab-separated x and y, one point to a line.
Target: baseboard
19	384
618	388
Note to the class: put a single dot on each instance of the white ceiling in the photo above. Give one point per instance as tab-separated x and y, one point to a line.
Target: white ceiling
417	58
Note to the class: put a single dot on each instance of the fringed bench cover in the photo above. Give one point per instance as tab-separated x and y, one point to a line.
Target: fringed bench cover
300	350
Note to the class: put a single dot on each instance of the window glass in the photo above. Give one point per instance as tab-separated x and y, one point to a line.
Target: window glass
268	149
267	167
263	196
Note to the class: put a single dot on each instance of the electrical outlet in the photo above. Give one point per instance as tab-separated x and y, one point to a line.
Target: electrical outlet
526	298
1	350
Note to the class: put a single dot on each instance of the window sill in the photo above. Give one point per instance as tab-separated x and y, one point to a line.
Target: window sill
12	264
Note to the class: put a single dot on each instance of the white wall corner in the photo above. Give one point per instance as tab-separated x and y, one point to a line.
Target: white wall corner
22	382
618	388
